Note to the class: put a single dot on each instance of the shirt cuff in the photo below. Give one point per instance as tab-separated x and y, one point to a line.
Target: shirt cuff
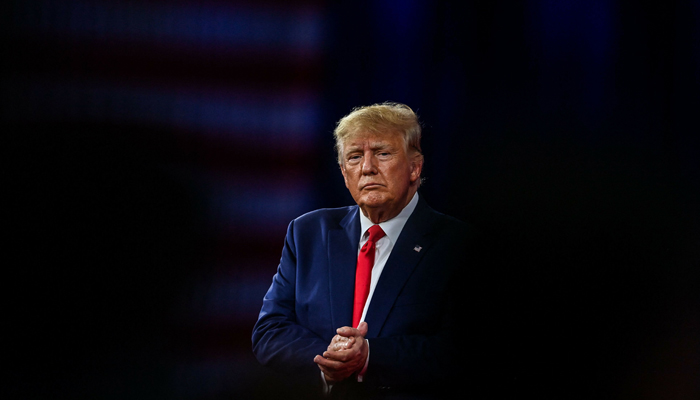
326	386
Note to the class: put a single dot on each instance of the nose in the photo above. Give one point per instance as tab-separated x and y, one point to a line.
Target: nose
369	164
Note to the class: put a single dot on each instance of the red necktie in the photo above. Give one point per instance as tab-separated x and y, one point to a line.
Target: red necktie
363	273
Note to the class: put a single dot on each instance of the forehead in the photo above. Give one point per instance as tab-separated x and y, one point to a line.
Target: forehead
361	138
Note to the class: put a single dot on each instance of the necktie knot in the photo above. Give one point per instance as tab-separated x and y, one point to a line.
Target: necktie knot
375	233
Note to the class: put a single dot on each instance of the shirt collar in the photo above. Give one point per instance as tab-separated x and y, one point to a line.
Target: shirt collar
392	227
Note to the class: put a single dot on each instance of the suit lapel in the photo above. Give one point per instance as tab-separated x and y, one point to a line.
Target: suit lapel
413	242
342	260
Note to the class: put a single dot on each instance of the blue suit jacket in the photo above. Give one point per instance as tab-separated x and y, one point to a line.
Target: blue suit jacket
411	315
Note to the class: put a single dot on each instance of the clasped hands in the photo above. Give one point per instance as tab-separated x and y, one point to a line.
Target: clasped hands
346	354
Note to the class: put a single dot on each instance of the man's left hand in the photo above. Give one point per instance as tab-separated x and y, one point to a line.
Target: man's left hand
346	354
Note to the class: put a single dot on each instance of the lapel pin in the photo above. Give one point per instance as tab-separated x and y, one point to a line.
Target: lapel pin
417	249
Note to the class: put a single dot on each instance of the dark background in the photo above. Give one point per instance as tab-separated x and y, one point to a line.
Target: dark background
156	151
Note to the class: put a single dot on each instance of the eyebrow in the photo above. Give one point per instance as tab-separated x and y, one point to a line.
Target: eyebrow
373	146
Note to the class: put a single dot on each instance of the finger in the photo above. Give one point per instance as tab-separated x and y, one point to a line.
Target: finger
337	347
348	331
338	338
346	344
341	340
344	354
363	328
339	356
327	363
337	368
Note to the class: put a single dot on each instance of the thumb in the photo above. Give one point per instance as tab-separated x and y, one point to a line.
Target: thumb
363	328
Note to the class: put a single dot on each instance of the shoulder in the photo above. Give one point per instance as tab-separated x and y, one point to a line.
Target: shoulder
324	214
324	217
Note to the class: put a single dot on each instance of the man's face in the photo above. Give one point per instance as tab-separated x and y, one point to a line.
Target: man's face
379	174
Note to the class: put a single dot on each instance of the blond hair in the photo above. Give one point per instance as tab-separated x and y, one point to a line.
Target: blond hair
379	118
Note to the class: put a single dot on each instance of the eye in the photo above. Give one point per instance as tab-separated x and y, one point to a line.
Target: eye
353	158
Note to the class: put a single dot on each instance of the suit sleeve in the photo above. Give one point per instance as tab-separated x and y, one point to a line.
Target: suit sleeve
278	340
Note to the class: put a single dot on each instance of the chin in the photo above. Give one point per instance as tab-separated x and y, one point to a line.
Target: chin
374	201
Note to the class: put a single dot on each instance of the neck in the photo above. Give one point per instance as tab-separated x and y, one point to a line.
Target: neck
379	215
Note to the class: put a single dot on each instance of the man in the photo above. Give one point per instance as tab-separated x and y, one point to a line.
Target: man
388	328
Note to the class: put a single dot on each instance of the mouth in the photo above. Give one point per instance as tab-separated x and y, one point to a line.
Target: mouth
371	185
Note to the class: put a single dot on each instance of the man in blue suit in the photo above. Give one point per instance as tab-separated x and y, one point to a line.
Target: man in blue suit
398	338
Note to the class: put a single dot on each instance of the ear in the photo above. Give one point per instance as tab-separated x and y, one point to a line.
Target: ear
416	168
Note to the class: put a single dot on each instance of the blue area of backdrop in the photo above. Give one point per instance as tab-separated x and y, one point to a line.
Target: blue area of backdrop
158	149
